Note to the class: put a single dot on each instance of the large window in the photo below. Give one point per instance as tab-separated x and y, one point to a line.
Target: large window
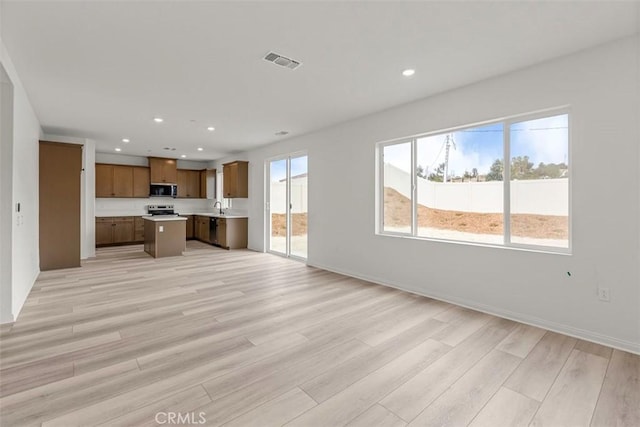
504	183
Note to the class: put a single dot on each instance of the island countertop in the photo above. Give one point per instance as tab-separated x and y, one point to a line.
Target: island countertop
159	218
215	215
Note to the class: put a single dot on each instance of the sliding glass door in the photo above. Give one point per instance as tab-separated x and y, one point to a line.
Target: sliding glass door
287	206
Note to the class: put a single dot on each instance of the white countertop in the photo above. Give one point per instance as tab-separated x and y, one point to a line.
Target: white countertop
144	215
159	218
214	215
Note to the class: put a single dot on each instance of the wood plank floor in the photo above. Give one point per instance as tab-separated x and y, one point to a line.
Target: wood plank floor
239	338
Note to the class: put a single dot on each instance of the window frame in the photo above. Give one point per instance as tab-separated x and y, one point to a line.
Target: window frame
506	122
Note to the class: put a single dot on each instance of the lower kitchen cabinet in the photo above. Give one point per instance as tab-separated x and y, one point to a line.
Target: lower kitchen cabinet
138	229
231	233
201	228
190	230
115	230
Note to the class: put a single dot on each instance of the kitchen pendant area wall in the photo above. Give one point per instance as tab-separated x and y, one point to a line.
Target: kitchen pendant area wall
137	206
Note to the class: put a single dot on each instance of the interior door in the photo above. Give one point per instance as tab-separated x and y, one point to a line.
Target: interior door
287	206
60	171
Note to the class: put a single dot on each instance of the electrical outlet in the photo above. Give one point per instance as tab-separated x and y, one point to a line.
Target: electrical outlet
603	294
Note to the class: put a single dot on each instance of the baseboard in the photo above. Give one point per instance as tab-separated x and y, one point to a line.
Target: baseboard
571	331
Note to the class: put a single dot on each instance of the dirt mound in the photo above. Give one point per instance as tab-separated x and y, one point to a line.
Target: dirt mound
397	213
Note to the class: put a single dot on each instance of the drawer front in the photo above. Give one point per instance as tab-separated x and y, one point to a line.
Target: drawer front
222	221
123	218
104	219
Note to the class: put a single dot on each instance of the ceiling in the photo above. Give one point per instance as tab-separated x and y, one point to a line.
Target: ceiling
104	70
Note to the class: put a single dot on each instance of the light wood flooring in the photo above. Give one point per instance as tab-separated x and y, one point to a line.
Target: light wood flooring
239	338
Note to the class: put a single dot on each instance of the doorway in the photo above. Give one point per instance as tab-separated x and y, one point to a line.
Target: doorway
287	211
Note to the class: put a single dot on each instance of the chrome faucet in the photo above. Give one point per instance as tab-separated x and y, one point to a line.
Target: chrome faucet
218	202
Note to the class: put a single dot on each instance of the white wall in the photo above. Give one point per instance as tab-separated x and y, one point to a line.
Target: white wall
137	206
539	196
25	257
6	191
124	159
601	88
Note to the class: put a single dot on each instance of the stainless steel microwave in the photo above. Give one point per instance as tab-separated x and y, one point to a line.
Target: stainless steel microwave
163	190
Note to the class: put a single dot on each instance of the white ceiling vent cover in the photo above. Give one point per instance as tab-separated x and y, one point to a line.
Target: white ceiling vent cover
282	61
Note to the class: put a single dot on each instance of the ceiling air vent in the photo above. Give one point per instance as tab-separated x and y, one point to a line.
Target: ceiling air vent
283	61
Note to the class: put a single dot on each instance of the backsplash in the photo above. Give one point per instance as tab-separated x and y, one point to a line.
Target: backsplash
135	207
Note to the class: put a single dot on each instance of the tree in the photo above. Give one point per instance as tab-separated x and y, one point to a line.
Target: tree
466	176
495	171
421	172
551	170
521	168
438	176
474	173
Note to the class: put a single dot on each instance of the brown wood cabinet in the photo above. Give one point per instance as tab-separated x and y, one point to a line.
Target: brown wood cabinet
188	183
114	181
231	233
190	231
138	229
141	182
235	179
104	180
121	181
201	228
104	231
115	230
163	170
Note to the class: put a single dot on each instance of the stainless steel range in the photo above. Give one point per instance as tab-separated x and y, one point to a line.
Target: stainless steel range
166	210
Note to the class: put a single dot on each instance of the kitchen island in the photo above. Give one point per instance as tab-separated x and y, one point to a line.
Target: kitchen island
164	236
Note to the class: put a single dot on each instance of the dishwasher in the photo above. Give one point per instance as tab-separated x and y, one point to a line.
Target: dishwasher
213	231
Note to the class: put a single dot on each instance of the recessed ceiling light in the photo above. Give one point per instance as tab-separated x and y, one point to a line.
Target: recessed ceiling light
183	156
211	128
158	119
408	72
200	149
126	140
118	149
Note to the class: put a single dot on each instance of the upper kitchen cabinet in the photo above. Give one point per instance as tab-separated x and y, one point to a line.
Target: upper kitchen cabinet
114	181
188	183
140	181
121	181
235	179
163	170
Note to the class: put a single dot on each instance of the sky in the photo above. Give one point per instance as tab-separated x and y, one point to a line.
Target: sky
543	140
278	168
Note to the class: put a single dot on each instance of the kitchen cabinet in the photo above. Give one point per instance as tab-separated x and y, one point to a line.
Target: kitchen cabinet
235	179
141	181
231	233
188	183
115	230
138	229
114	181
163	170
104	180
201	228
121	181
104	231
190	231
